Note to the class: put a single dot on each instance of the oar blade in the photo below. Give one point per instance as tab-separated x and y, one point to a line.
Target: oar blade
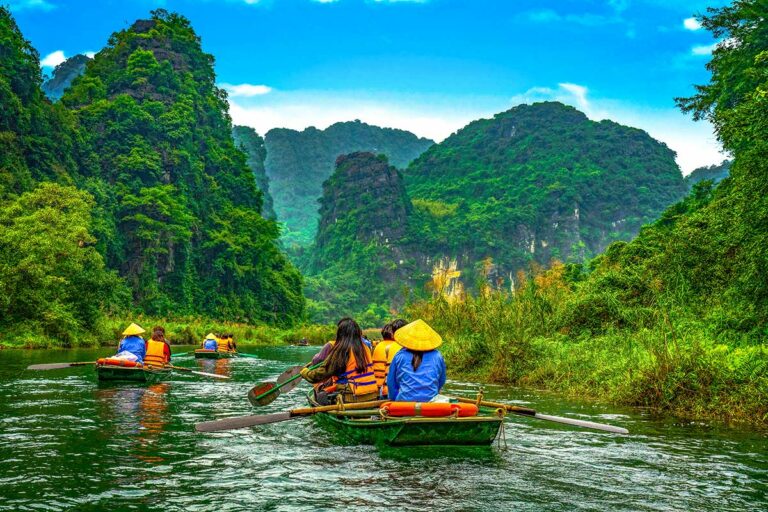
54	366
263	394
288	375
582	423
242	422
213	375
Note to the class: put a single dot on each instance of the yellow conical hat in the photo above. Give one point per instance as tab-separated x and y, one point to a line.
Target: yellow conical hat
132	330
210	336
419	336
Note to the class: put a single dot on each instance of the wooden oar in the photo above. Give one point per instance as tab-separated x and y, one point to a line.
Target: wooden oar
267	392
180	354
204	374
243	354
531	413
264	419
57	366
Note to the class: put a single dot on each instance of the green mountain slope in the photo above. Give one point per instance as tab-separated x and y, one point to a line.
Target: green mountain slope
713	173
299	162
252	145
539	182
178	206
63	76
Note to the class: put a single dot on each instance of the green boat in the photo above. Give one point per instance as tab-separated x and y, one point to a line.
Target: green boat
359	427
202	353
111	373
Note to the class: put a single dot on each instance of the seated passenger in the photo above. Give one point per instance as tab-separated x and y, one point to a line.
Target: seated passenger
416	373
348	369
210	342
132	346
158	349
383	353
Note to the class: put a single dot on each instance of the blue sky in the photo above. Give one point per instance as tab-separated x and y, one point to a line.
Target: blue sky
429	66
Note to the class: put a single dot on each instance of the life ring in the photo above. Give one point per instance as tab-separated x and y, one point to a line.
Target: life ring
108	361
429	409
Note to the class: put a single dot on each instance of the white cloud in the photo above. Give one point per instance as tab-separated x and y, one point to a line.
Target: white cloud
90	55
691	24
53	59
245	90
704	49
20	5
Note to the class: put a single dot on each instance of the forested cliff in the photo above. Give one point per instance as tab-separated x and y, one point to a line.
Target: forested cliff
299	162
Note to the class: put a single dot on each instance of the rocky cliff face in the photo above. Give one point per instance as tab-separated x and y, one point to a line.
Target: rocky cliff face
63	75
252	145
299	162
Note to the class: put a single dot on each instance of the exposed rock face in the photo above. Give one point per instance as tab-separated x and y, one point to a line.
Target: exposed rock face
299	162
63	74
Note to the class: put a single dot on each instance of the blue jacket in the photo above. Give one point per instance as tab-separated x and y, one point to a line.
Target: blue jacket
135	345
422	385
210	344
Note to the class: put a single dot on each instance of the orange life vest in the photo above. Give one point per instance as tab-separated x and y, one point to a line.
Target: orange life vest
358	383
382	357
155	354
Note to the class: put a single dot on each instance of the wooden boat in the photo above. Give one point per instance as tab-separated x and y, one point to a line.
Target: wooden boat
202	353
112	373
360	427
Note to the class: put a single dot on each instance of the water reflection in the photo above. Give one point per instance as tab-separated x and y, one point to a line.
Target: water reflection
216	366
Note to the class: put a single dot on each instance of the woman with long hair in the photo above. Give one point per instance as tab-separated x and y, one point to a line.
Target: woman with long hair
158	348
347	369
417	373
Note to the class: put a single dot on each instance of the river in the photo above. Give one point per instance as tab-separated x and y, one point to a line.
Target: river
68	443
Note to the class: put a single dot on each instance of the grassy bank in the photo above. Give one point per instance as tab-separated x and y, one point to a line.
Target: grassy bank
674	364
181	331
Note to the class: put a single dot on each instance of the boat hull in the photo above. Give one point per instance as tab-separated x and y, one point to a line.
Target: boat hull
213	354
416	431
109	373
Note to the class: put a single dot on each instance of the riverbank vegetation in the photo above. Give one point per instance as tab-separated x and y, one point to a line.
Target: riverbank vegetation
674	320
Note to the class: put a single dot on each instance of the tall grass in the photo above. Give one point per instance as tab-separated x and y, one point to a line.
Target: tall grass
646	355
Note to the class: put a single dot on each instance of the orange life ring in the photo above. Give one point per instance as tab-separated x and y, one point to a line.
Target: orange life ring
429	409
117	362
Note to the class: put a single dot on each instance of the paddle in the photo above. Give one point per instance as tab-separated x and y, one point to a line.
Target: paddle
264	419
243	354
204	374
267	392
57	366
180	354
524	411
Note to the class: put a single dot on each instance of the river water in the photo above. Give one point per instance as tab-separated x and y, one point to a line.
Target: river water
68	443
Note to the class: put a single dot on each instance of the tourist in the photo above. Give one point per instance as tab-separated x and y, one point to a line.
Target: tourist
416	373
132	347
158	349
347	370
383	353
210	343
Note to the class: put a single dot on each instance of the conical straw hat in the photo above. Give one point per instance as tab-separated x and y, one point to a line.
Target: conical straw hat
133	330
210	336
418	336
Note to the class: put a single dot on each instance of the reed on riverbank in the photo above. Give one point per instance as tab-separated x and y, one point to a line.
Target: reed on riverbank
538	336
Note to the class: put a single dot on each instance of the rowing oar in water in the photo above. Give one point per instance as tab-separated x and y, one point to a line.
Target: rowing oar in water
57	366
267	392
264	419
524	411
189	370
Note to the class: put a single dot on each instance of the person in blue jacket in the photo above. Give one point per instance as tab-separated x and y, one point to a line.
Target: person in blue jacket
210	343
133	343
417	372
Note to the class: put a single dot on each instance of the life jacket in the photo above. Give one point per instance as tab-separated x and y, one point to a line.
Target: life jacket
383	355
135	345
155	354
223	345
358	383
210	344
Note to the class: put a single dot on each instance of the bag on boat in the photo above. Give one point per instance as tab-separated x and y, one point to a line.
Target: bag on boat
126	356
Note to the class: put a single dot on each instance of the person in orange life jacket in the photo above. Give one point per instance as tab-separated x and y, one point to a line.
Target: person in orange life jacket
417	372
349	367
210	343
384	352
231	340
158	348
133	343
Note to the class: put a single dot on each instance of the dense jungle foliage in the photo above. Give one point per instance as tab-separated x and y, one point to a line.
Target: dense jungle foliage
675	319
252	144
299	162
538	182
134	171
